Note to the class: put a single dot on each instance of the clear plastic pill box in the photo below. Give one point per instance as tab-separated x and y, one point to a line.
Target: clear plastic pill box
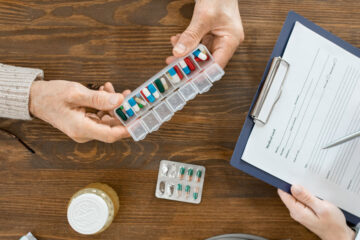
180	181
156	101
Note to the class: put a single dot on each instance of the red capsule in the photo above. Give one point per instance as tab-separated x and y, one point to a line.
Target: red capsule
189	63
178	72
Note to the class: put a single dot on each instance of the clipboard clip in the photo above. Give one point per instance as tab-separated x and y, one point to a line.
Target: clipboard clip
271	91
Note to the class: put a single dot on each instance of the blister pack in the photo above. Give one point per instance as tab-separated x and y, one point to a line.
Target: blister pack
156	101
180	181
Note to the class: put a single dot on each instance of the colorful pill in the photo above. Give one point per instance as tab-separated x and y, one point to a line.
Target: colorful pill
173	75
159	85
190	174
133	104
198	175
179	189
196	193
181	172
184	67
128	110
121	114
187	190
190	64
177	69
140	102
153	90
164	83
147	95
201	55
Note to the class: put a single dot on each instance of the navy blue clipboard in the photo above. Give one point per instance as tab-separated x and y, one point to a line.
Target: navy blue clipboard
278	50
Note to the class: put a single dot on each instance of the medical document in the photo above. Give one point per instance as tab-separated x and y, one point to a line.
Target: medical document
319	103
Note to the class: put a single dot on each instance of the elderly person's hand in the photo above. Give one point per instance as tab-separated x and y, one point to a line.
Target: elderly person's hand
65	106
218	24
319	216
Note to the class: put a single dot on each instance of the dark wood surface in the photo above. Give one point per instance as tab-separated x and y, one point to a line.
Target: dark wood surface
126	42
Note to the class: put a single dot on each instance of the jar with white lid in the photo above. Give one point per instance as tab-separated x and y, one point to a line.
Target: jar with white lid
92	209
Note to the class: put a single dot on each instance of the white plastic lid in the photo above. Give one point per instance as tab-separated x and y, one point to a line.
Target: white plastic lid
87	213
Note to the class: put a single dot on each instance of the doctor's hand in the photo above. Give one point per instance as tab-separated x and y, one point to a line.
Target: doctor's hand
319	216
218	24
71	107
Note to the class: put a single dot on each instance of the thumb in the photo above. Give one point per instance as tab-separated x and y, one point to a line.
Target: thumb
190	38
100	100
305	197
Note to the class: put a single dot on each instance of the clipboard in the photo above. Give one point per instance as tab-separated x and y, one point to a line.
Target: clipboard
254	116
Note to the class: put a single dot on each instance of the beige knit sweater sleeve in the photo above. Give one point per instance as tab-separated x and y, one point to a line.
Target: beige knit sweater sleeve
15	83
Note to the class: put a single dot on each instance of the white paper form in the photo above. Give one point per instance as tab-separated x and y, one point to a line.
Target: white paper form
320	102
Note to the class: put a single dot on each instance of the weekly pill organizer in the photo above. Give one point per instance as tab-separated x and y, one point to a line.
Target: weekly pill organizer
156	101
180	181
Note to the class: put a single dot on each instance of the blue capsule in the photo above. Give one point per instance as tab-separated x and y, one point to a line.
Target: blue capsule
153	90
172	71
128	109
133	104
185	67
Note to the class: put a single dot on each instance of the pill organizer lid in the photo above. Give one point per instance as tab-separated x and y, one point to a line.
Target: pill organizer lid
87	213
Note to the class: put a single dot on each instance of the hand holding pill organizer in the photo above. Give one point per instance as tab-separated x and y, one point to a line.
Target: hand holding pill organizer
156	101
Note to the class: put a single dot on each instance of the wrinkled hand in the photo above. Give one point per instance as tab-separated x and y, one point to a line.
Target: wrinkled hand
218	24
65	105
319	216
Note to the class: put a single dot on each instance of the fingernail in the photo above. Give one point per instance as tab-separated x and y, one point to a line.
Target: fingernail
114	99
179	48
296	189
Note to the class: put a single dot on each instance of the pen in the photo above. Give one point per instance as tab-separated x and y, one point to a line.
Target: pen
343	139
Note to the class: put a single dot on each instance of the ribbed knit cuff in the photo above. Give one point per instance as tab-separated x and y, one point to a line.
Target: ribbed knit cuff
15	83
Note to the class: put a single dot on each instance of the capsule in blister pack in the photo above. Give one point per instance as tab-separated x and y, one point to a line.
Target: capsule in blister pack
180	182
155	101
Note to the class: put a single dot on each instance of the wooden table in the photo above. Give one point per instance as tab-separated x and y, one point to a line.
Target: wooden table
126	42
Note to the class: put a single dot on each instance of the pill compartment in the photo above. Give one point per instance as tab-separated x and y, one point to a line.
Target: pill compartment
175	101
163	84
141	103
175	75
172	187
163	111
202	83
188	91
188	66
151	94
151	121
214	72
203	52
137	130
123	116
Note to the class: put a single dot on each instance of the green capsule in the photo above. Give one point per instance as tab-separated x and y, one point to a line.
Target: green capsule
179	187
196	193
182	171
121	114
190	173
159	85
187	189
140	102
198	175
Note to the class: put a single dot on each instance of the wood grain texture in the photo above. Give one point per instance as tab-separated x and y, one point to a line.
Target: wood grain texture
125	42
